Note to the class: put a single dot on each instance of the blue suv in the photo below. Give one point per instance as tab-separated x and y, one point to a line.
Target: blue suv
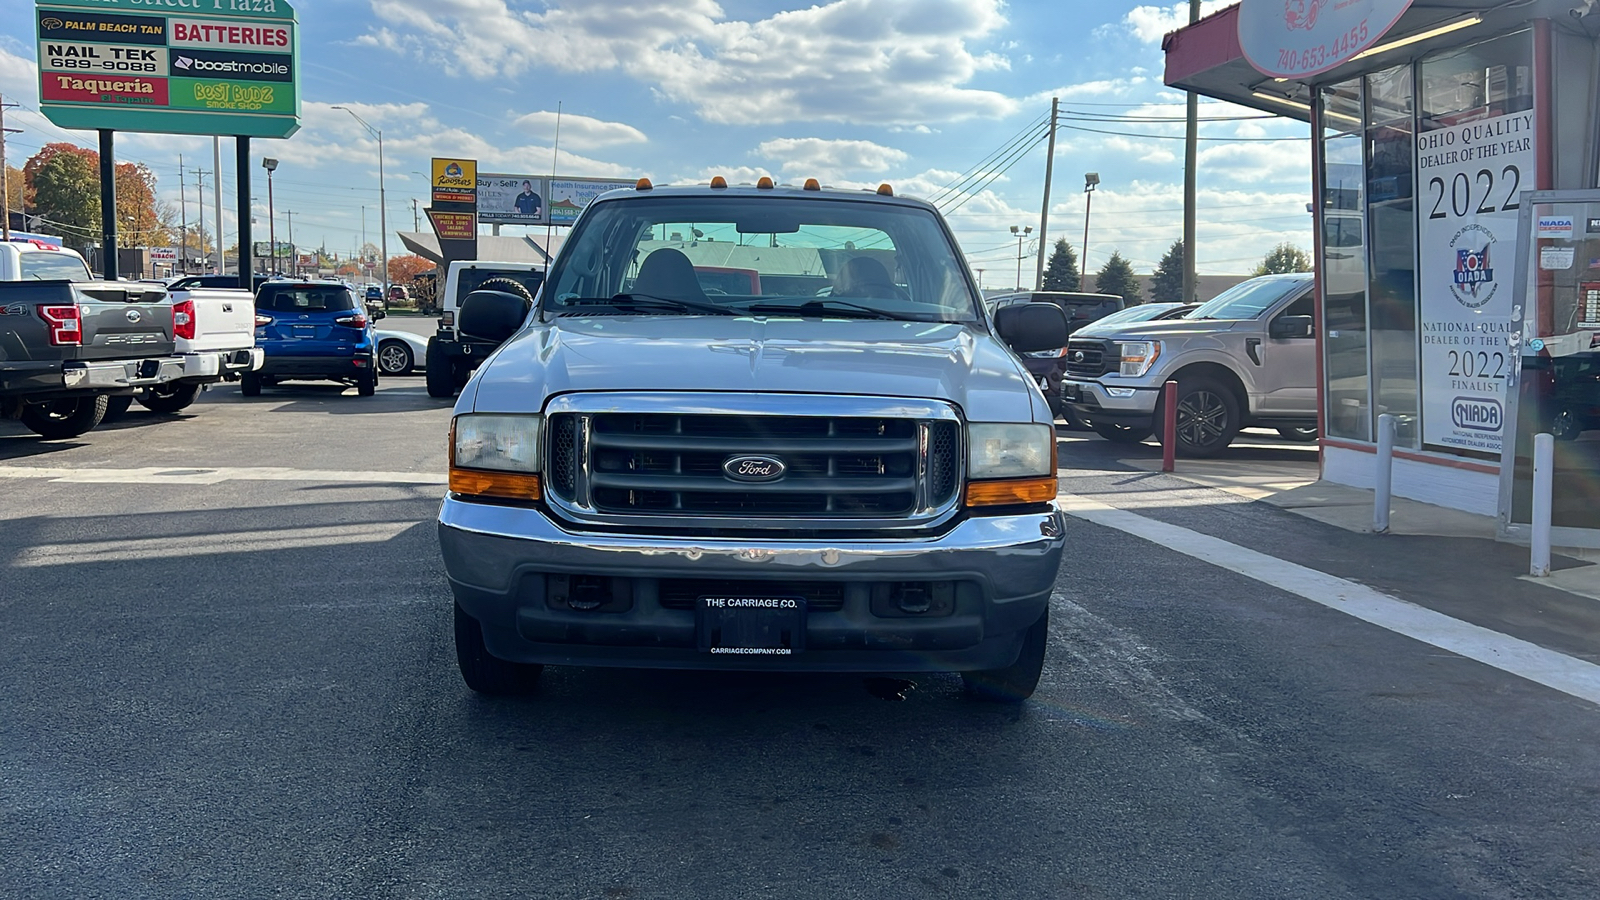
312	331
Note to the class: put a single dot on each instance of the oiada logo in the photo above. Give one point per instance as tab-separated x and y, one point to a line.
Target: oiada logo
1476	413
1473	282
1302	13
754	468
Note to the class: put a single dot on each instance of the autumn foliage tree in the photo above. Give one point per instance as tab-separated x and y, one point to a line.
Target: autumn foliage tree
61	183
405	269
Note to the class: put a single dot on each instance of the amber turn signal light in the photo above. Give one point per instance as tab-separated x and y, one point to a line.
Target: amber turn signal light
505	485
1011	491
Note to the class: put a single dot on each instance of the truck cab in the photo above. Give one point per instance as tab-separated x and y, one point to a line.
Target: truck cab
451	356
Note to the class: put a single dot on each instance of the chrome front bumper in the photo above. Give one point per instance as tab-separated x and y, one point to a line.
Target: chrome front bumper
497	558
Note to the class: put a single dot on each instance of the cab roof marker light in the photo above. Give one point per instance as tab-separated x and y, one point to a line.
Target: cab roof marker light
718	183
813	185
764	183
885	190
644	185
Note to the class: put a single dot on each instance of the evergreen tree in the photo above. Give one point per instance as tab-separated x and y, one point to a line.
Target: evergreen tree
1166	285
1061	272
1283	259
1116	277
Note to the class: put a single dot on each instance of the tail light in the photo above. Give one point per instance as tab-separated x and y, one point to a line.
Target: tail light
447	318
262	321
356	321
66	325
183	325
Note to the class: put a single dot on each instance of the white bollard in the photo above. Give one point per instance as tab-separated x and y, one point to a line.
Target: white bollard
1544	465
1384	481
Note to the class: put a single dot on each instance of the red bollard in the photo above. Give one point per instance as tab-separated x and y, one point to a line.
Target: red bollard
1169	426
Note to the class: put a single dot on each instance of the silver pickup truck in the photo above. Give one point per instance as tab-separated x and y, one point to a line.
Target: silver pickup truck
833	465
1246	358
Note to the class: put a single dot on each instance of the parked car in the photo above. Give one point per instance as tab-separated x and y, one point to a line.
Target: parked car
400	352
452	356
1047	366
1246	358
373	294
214	331
398	294
312	331
1144	312
190	282
647	474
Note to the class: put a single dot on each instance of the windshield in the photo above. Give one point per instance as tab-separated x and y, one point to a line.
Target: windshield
1142	313
762	256
54	267
1249	299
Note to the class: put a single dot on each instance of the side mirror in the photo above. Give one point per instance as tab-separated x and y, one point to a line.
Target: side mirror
1030	327
1284	327
492	315
378	313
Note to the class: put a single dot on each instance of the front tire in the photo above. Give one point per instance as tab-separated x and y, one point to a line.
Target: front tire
57	420
1121	434
439	374
395	358
1016	682
483	672
169	398
1208	418
116	406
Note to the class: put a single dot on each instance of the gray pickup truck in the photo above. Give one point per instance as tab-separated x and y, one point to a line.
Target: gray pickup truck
1246	358
67	347
835	465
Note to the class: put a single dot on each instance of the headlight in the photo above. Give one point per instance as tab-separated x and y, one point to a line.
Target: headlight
1009	451
1046	354
498	443
1138	356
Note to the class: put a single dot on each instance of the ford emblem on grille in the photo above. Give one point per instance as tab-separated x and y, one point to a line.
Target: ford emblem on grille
132	314
754	468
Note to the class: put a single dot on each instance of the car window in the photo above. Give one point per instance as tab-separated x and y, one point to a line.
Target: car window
53	267
306	299
871	257
1302	307
1248	299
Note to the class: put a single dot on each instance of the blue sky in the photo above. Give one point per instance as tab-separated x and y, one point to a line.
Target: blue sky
854	92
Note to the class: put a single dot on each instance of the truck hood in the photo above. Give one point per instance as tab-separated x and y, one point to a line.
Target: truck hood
1171	329
925	360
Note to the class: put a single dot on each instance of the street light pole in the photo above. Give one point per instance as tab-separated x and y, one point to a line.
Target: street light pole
1090	181
271	165
383	204
1021	233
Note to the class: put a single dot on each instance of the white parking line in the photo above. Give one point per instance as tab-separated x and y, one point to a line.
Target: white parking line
130	549
210	475
1518	657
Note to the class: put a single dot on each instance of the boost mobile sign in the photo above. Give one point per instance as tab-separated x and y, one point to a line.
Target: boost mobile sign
1469	176
170	66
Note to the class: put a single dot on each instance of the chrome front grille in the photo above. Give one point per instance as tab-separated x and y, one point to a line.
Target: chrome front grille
1091	359
851	471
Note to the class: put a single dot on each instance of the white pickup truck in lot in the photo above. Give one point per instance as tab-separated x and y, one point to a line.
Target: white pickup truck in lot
215	331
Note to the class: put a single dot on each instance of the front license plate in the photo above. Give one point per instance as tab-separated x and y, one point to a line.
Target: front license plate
1071	392
751	626
305	331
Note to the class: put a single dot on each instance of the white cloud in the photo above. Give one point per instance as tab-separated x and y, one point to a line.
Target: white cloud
831	159
1151	23
881	62
580	132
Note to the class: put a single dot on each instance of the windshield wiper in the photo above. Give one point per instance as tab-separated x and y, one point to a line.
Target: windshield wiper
643	302
841	308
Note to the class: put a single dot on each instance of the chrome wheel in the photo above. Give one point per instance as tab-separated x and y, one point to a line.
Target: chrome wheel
394	358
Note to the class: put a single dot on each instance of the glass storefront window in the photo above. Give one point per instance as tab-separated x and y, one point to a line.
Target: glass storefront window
1344	264
1392	307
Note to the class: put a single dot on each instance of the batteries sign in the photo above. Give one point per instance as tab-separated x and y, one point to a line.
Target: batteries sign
176	67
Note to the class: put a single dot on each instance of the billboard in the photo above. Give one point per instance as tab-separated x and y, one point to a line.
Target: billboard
512	199
568	196
455	180
171	68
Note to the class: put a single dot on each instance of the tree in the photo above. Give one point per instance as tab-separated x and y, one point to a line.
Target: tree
405	269
1283	259
139	217
15	185
1116	277
1061	272
66	193
1166	285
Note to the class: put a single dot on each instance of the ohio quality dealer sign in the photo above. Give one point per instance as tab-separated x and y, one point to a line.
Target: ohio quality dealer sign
170	66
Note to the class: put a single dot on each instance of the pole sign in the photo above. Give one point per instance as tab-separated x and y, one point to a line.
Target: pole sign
170	66
1300	38
1469	177
455	181
454	211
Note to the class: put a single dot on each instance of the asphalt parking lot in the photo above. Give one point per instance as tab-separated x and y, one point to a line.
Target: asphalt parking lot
228	673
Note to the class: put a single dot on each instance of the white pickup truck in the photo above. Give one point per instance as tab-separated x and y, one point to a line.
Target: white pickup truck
215	330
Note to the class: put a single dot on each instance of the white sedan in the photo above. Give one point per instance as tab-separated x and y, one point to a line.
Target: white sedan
399	352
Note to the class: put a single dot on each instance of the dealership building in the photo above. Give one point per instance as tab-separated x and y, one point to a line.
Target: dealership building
1454	165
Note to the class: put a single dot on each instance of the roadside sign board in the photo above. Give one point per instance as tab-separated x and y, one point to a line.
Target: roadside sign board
455	181
1300	38
454	226
539	199
228	67
569	196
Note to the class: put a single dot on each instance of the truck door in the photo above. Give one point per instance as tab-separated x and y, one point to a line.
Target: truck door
1288	373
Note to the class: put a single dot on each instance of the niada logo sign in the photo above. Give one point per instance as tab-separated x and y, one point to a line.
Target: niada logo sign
1473	283
1476	413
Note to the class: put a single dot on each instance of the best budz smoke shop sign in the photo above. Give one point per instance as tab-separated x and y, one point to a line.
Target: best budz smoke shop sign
173	66
1297	38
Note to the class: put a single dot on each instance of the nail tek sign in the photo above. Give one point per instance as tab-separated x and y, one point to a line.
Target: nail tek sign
226	67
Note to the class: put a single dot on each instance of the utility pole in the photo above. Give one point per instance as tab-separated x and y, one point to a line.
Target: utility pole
1191	140
416	220
294	252
216	189
183	210
5	174
1044	212
200	176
